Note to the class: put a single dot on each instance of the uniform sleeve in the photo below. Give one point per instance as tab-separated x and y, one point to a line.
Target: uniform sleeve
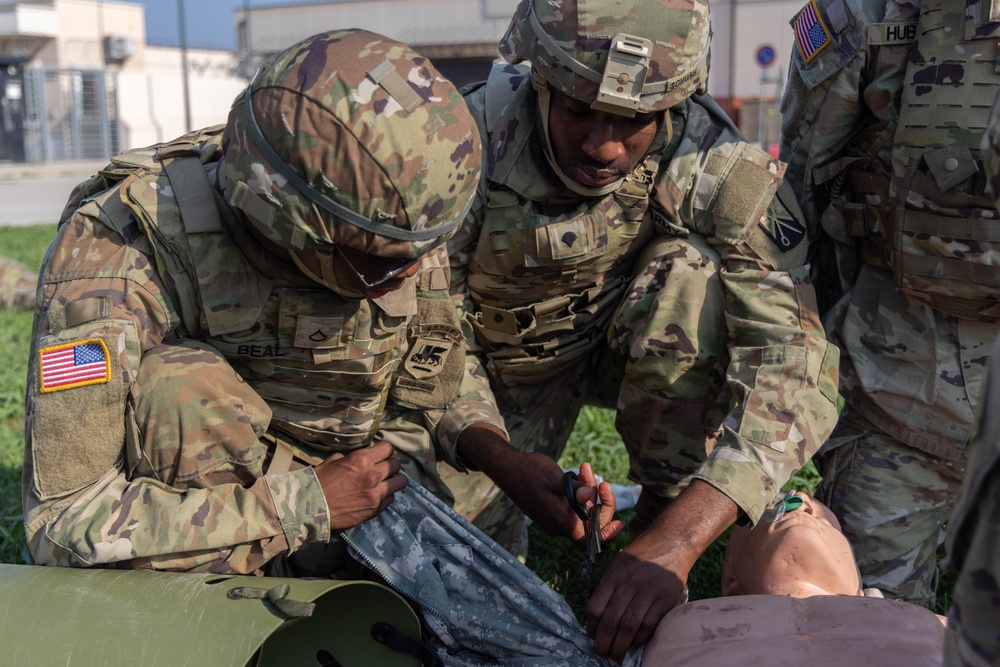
782	372
822	107
103	306
783	377
476	403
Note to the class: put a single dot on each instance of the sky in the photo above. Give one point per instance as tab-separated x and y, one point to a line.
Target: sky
209	23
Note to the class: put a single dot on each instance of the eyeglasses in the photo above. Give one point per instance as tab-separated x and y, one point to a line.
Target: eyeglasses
369	280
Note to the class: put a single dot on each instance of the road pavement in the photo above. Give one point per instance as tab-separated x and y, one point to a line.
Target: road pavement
35	193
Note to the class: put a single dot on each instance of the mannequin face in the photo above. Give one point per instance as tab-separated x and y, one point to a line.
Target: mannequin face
801	554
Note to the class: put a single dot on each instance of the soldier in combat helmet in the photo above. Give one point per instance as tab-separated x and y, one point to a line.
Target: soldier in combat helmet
628	248
224	318
886	106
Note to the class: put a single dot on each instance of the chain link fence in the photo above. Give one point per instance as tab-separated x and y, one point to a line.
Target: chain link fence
71	114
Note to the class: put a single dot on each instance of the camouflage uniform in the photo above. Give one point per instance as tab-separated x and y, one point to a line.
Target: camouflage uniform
882	120
973	544
679	298
17	285
208	373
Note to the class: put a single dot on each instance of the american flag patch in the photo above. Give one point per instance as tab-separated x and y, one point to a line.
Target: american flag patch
74	365
810	32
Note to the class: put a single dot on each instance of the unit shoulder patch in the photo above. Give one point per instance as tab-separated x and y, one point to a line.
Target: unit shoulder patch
781	225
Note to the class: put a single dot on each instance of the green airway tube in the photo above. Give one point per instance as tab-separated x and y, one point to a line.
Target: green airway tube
792	503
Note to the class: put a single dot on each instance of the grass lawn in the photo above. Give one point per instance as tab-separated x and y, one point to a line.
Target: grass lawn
554	560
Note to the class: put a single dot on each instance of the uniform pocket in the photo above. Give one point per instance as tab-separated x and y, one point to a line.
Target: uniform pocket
772	382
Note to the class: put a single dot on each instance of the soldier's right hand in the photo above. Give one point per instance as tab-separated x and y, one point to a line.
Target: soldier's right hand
360	484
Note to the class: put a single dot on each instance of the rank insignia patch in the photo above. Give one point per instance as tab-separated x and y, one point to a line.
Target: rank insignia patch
74	365
810	32
781	226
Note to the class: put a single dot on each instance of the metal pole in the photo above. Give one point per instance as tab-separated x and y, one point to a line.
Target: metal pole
246	27
762	112
184	65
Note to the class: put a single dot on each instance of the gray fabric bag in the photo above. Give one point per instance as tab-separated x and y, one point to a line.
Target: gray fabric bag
481	604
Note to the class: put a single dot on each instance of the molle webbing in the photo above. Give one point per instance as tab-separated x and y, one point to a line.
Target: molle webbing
951	79
543	320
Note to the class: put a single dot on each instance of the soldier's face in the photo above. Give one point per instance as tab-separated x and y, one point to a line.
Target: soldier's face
596	148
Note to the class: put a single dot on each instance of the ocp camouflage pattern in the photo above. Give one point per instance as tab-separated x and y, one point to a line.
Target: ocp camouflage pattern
414	169
679	32
223	359
973	546
883	156
568	309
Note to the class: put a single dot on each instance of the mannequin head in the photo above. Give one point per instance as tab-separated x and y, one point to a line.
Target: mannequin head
800	554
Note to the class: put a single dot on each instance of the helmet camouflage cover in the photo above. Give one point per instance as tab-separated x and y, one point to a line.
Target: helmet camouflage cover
352	138
637	56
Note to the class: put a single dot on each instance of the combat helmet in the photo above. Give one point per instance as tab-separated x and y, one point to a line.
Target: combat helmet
638	56
351	138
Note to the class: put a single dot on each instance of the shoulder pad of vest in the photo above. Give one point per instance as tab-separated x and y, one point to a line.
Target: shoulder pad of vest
503	85
825	38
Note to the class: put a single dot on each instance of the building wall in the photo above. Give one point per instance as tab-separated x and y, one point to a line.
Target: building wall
151	100
459	35
148	84
740	28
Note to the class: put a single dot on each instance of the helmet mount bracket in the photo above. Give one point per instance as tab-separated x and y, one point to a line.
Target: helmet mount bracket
624	75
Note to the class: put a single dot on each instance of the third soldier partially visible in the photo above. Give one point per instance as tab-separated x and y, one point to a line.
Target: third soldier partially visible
886	105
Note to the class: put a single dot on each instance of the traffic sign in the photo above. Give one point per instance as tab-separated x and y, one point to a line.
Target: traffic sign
765	55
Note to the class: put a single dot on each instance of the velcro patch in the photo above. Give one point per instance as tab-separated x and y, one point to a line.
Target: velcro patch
781	226
75	364
811	33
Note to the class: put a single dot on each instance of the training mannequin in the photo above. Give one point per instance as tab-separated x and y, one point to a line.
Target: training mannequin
793	597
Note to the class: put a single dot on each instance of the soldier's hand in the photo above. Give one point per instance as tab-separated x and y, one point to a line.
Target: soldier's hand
360	484
646	579
585	494
640	585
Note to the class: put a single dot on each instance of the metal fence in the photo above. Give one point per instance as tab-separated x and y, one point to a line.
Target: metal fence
71	114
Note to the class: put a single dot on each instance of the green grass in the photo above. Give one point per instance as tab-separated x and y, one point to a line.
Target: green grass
26	244
557	562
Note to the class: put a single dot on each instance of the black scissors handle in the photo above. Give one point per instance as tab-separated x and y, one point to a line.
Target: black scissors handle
570	490
592	525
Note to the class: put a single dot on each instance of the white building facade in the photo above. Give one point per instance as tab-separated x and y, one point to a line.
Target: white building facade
78	81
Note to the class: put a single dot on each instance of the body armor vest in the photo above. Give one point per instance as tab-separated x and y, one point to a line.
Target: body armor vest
546	286
323	364
931	221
